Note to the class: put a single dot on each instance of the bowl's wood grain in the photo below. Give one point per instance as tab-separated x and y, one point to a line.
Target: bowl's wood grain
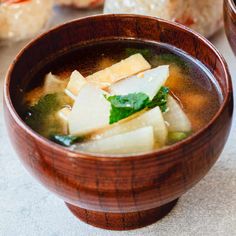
230	22
109	192
126	221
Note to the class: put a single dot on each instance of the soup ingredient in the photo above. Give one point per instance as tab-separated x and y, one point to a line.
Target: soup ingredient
66	140
126	105
175	117
160	99
147	53
105	62
123	106
169	59
194	101
90	101
148	82
90	111
196	121
121	70
175	137
96	118
153	118
42	116
53	84
140	140
64	113
77	81
32	97
178	79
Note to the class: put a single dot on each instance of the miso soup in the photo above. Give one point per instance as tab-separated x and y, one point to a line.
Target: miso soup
121	97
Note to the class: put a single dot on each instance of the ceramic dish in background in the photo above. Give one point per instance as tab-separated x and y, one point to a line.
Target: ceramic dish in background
108	191
230	22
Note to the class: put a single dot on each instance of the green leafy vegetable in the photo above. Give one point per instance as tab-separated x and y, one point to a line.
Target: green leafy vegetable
66	140
126	105
147	53
42	116
175	137
169	59
160	99
45	105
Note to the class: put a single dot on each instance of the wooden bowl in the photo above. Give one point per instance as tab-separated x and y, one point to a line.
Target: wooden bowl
107	191
230	22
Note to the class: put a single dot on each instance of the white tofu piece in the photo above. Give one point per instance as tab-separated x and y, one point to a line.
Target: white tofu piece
136	141
153	118
64	113
121	70
77	81
176	118
149	82
53	84
90	111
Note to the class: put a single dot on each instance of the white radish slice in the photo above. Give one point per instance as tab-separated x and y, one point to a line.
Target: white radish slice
90	111
148	82
176	118
152	118
140	140
77	81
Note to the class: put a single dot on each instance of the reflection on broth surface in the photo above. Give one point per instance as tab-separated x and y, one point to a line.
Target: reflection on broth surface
179	97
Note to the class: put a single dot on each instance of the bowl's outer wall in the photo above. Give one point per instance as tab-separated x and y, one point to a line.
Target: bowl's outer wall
230	22
118	185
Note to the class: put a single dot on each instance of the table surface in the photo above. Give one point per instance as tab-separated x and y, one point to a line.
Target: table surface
28	209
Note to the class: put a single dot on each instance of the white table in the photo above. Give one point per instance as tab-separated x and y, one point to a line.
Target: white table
28	209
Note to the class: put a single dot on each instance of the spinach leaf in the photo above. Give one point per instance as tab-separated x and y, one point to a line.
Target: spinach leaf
147	53
42	116
122	106
45	105
66	140
160	99
169	58
126	105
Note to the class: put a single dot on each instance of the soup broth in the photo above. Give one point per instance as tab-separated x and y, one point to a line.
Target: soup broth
191	86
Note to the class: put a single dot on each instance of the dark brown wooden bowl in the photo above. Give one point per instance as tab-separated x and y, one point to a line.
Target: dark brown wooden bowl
230	22
107	191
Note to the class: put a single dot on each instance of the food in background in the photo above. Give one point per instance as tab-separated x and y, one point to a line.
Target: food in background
204	16
81	3
21	19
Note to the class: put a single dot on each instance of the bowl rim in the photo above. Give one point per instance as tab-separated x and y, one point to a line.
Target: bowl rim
109	157
232	5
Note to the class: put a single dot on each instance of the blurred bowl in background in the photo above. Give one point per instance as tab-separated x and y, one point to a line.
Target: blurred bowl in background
230	22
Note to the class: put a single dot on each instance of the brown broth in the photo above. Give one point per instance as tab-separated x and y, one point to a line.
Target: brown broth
190	82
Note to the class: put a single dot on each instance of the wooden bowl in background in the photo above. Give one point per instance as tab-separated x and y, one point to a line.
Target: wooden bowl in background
230	22
106	191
